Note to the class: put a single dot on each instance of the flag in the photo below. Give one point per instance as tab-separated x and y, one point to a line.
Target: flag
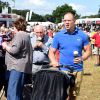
27	16
30	14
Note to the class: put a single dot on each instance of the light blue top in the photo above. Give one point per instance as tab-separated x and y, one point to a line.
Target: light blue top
41	54
0	40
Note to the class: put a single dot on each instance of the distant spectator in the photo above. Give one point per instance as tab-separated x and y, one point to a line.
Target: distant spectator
96	37
92	40
87	31
50	33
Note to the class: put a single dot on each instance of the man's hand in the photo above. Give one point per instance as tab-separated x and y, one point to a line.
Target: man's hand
4	45
78	60
38	44
54	64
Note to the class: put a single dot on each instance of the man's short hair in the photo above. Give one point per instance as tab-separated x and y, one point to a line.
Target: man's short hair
73	13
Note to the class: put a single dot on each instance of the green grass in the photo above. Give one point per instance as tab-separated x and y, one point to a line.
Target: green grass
90	88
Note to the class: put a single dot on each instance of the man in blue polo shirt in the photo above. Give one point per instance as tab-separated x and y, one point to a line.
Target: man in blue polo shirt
68	41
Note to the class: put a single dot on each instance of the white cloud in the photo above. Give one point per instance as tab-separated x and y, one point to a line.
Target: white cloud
81	9
77	6
37	2
41	7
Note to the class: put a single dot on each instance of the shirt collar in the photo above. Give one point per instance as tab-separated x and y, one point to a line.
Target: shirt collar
75	31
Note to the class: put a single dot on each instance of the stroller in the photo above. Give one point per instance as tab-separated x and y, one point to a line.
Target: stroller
50	84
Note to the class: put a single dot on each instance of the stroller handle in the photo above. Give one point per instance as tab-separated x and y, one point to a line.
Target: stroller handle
71	69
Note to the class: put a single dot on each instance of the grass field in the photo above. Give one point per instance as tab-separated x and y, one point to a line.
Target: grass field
90	88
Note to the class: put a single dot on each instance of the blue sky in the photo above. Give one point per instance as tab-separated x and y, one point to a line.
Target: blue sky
42	7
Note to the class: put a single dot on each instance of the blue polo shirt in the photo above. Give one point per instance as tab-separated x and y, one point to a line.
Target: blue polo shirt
67	43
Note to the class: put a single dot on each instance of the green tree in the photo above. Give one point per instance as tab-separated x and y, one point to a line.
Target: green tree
61	10
91	16
49	17
20	12
3	5
35	17
99	12
13	0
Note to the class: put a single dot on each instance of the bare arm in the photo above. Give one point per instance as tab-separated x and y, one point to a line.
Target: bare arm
86	54
52	58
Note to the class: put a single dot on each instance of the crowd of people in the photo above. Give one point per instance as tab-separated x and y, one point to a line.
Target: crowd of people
24	53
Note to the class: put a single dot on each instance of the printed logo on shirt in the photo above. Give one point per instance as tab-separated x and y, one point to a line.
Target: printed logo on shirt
78	39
